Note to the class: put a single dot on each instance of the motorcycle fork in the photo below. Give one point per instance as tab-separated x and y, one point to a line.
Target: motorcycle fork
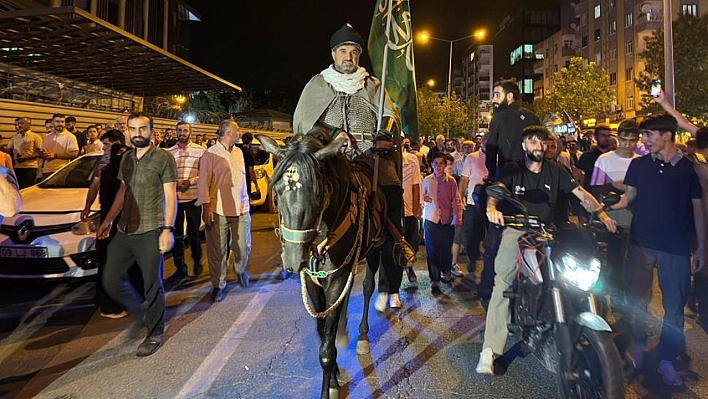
562	331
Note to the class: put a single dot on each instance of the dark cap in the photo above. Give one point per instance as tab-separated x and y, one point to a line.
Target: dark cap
346	35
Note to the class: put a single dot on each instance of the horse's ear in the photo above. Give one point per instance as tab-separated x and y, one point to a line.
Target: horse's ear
331	149
270	145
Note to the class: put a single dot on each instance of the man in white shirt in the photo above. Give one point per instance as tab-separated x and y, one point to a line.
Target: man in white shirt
411	201
59	147
26	148
608	175
225	205
187	155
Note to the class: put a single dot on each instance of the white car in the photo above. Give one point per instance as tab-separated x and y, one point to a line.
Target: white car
265	163
47	238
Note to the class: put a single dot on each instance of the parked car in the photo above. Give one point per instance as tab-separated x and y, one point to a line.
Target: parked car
265	163
47	238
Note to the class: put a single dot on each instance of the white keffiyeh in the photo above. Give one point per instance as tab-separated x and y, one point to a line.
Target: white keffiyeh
348	83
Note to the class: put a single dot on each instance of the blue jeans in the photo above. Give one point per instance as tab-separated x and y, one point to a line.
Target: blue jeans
674	272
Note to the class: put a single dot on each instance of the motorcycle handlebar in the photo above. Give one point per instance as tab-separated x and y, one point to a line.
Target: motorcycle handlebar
520	221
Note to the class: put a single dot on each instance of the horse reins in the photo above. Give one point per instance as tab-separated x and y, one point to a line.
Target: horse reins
350	279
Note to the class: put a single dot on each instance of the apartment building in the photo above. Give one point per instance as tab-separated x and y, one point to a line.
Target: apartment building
613	32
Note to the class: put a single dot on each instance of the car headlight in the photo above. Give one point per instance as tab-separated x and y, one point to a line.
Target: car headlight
260	173
581	274
88	227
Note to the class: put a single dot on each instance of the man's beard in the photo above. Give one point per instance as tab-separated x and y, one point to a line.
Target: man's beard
183	139
140	142
536	158
341	68
503	104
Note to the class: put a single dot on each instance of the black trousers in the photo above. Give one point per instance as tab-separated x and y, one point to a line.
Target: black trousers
390	274
411	231
193	214
143	249
475	225
438	247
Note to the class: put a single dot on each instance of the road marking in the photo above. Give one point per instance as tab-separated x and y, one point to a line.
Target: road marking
204	377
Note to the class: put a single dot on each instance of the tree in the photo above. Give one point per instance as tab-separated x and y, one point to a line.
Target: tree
429	120
690	66
580	90
449	116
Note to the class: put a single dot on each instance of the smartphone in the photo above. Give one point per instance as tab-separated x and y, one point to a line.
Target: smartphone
655	88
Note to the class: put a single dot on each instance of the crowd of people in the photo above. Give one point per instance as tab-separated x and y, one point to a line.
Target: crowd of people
148	185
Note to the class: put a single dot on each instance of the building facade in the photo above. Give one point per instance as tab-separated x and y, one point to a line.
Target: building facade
477	80
612	33
553	54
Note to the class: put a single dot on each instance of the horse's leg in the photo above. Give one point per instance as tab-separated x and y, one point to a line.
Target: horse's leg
362	343
328	352
342	331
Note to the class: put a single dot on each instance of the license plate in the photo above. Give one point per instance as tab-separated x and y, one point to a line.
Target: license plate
24	252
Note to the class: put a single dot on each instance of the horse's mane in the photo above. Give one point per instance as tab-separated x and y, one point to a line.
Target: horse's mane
300	151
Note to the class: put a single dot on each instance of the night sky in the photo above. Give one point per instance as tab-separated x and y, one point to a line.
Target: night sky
280	44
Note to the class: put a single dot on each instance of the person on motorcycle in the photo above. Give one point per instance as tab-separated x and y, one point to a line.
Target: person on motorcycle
537	184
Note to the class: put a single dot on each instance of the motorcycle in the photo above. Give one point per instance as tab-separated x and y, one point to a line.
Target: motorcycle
552	305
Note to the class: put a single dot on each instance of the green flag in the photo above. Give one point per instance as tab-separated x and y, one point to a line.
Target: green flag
400	69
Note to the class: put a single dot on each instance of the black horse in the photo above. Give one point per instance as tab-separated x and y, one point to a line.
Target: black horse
326	228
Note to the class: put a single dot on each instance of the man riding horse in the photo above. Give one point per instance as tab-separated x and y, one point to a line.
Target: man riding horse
345	97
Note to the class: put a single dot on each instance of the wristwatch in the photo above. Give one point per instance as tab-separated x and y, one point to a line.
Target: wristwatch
170	228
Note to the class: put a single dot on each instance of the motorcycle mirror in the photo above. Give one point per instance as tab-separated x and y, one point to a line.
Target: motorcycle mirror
498	191
611	199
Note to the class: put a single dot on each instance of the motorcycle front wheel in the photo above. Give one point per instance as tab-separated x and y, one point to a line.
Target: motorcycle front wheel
595	369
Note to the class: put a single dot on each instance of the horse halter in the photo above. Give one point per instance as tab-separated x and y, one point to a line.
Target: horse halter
291	182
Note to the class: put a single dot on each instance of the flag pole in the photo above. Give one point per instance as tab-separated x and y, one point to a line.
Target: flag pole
382	95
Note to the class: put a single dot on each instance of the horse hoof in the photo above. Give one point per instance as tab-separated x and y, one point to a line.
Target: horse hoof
362	348
333	393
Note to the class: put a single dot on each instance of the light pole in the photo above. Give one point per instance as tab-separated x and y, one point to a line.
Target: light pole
424	37
669	53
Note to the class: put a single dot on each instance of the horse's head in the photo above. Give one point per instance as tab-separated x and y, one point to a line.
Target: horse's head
301	192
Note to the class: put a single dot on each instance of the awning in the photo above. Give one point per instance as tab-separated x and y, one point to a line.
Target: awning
72	43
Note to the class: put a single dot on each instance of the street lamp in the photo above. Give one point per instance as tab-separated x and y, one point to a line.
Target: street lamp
425	36
430	83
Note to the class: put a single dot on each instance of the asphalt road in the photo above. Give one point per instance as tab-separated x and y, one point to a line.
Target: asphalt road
260	343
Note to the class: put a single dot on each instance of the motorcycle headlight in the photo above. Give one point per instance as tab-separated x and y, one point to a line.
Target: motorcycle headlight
88	227
581	274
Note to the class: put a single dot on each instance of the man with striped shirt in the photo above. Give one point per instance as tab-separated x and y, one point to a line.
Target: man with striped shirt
187	155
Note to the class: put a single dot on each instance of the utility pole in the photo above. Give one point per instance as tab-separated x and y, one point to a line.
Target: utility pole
668	54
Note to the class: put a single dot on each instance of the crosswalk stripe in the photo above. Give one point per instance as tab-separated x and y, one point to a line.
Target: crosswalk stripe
209	370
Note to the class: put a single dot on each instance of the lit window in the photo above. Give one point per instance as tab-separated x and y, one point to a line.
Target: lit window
613	27
528	86
630	102
629	47
597	35
613	78
690	9
628	19
597	11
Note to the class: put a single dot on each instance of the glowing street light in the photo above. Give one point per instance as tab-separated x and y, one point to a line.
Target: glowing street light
430	83
424	37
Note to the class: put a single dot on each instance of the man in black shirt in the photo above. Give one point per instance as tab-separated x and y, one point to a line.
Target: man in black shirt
586	163
250	161
537	185
504	141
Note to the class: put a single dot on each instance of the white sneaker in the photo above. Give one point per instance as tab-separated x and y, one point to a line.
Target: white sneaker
381	301
486	362
395	301
455	270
